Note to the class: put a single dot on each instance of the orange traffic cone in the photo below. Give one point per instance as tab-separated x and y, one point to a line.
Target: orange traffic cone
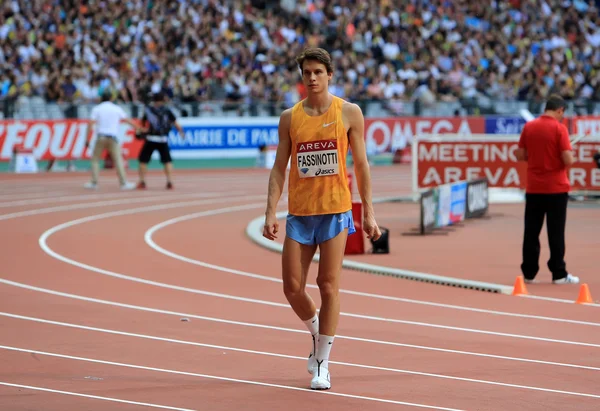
519	288
584	295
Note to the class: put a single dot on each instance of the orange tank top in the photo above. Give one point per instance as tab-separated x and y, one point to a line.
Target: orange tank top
318	182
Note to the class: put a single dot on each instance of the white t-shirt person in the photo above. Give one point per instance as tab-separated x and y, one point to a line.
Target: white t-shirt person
108	116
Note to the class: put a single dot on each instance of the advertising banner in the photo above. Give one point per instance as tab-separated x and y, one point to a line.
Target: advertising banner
504	125
65	139
443	205
458	201
59	139
451	160
448	204
391	133
428	215
587	125
477	198
230	137
223	137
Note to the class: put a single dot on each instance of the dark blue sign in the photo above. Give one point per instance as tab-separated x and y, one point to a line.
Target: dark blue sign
504	125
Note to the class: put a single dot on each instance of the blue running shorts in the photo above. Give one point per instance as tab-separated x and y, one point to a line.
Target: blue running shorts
316	229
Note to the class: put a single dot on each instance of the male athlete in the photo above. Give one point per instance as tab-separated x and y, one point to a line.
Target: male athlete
317	133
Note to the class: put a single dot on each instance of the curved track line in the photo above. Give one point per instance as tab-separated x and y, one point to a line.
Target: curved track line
148	238
260	326
33	196
214	377
253	231
134	200
139	199
96	397
63	199
44	246
151	337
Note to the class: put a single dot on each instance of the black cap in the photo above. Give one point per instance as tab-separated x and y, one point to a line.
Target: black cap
159	96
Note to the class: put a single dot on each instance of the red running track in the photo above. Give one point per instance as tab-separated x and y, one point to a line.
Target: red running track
157	299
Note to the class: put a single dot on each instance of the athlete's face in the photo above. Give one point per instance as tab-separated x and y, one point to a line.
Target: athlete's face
315	76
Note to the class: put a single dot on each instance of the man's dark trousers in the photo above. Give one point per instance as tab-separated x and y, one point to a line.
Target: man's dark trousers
554	208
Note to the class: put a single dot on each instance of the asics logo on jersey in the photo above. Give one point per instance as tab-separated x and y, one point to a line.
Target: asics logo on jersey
324	171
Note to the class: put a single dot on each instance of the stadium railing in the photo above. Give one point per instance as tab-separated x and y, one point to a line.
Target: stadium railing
25	107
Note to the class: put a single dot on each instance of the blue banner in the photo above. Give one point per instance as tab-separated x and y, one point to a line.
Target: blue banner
451	203
504	125
224	133
458	201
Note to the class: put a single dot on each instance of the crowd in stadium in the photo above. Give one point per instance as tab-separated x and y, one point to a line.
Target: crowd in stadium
234	50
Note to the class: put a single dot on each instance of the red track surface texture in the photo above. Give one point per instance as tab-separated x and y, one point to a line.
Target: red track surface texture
157	299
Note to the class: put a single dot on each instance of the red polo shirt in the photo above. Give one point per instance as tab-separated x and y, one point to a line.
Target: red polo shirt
545	138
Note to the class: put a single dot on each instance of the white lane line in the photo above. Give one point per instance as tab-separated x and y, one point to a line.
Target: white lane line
34	196
274	328
44	238
62	199
75	182
164	339
214	377
96	397
134	200
91	205
148	238
43	244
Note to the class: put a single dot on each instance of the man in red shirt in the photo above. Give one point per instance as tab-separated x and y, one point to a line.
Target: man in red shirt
545	145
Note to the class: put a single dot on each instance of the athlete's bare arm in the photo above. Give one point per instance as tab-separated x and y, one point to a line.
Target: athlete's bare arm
354	118
277	176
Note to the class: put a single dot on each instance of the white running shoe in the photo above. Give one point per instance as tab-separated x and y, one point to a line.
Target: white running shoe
312	361
90	185
569	279
321	379
128	186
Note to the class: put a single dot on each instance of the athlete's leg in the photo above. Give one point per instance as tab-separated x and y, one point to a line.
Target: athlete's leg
328	279
296	261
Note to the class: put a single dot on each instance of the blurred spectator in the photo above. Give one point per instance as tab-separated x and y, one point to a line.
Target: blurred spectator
237	51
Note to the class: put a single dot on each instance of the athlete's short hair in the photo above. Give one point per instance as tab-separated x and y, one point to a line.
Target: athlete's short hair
315	54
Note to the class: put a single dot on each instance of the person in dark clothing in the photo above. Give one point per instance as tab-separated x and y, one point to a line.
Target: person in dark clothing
158	121
544	144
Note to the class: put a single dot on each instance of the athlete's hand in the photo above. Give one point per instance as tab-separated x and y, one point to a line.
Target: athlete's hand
271	227
371	228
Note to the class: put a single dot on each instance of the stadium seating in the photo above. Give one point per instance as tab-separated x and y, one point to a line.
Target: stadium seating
237	58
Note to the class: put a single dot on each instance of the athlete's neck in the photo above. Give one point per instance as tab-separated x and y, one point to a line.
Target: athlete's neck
318	103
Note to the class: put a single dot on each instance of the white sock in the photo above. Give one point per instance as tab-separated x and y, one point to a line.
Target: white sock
313	326
323	349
